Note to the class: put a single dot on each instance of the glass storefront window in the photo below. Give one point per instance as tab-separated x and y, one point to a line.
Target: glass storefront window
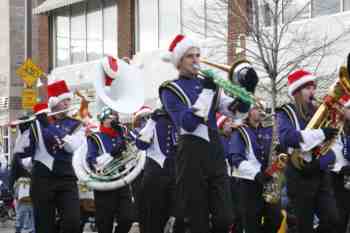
85	31
62	37
346	4
94	30
322	7
148	25
110	28
78	34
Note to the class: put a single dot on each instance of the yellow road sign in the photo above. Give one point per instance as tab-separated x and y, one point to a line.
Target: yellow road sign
29	72
28	98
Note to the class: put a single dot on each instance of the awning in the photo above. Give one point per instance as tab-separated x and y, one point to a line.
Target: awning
50	5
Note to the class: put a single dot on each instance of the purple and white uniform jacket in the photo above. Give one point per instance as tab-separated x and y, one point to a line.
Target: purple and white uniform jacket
182	113
52	147
249	150
293	135
158	139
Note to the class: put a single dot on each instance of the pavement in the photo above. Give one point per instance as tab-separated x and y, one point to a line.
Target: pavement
9	227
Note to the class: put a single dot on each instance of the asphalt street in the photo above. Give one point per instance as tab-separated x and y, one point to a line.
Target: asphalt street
9	227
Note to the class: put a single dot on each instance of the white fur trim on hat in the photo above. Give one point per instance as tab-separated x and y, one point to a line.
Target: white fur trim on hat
143	112
296	84
54	100
220	121
181	48
107	68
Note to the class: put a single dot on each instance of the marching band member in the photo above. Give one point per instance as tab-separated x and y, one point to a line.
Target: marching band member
341	170
309	189
19	182
103	147
158	180
225	125
54	184
201	176
139	120
249	150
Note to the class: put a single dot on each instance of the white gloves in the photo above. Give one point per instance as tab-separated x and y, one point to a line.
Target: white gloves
102	161
135	228
169	226
146	134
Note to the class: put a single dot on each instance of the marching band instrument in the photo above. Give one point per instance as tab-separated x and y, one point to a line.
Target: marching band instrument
125	94
327	115
49	114
229	86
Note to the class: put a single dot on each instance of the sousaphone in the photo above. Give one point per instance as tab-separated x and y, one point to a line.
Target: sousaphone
119	86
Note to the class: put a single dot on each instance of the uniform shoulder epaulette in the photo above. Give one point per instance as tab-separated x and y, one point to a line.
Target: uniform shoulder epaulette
290	111
96	138
243	134
175	89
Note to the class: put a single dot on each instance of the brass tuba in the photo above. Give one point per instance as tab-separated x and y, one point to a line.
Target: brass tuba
328	114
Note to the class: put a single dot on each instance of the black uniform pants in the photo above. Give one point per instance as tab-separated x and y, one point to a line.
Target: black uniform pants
342	196
202	184
237	212
310	195
50	194
258	216
157	195
114	203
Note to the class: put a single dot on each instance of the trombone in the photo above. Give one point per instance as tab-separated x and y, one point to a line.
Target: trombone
229	86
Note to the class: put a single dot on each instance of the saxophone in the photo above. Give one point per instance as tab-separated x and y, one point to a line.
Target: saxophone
276	164
328	114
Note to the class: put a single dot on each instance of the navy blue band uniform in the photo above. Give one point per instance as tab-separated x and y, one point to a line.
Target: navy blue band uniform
157	203
53	179
309	190
111	203
200	162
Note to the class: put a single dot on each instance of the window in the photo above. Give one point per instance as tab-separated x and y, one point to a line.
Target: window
148	25
62	37
322	7
85	31
78	34
295	10
110	28
94	30
346	5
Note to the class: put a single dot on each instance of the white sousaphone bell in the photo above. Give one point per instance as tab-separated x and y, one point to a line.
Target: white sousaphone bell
119	86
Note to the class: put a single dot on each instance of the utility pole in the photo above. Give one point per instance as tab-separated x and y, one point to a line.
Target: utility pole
28	29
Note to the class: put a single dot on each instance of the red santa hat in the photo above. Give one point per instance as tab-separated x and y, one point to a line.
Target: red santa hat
57	92
345	101
298	79
110	67
144	110
178	47
41	107
220	120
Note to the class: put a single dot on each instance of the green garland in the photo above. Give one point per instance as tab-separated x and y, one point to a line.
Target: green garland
230	88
